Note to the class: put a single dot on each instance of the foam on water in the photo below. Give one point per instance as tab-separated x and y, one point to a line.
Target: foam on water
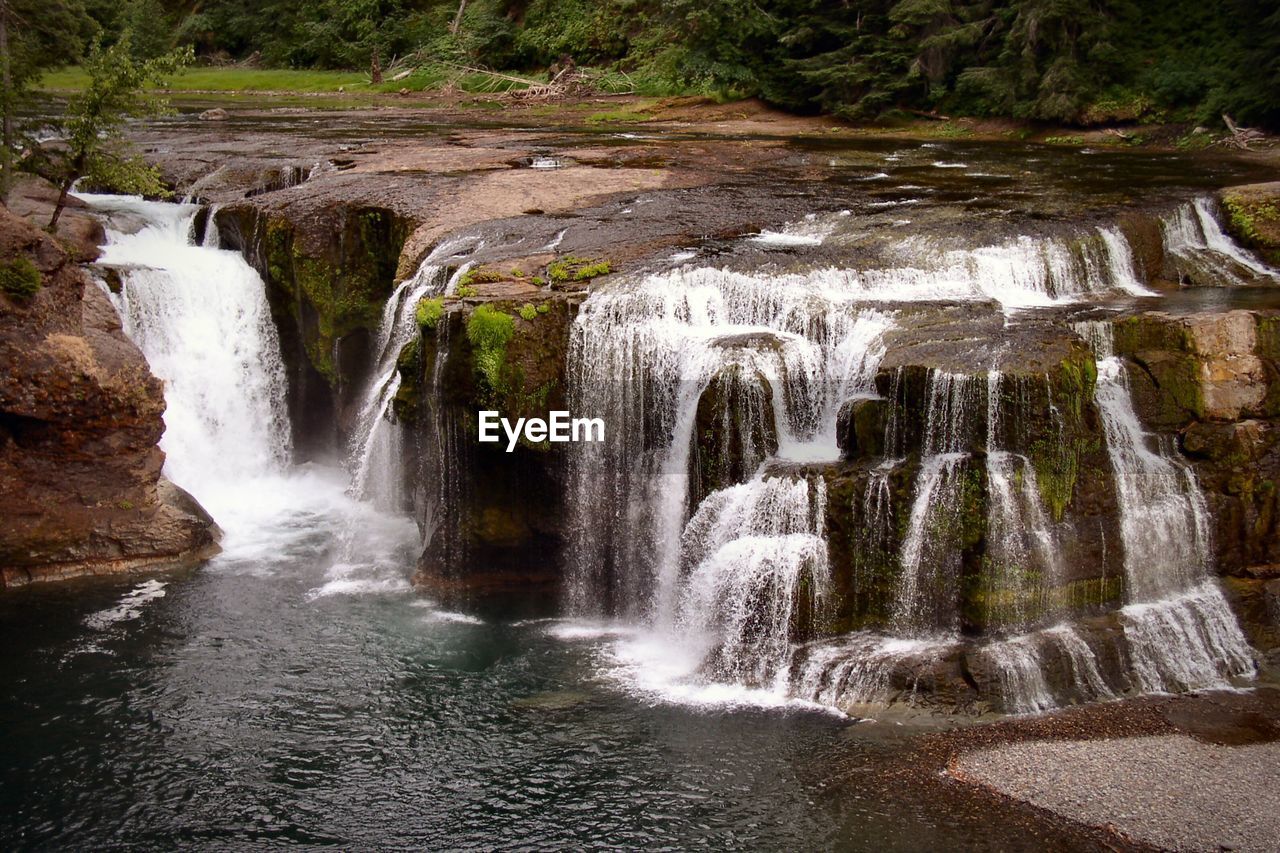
130	607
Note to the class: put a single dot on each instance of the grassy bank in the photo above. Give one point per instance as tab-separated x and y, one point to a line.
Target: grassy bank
238	79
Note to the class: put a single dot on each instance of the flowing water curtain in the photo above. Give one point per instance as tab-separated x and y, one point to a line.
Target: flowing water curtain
378	448
1199	251
643	355
1179	630
928	590
201	317
756	573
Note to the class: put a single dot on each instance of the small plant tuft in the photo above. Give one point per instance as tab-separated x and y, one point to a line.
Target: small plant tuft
528	312
429	312
488	331
19	278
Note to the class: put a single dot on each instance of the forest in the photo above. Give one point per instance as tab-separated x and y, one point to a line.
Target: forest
1079	62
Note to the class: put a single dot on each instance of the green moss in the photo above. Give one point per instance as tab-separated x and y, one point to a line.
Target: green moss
408	395
19	278
489	331
538	281
528	312
1244	217
544	308
429	312
466	291
335	292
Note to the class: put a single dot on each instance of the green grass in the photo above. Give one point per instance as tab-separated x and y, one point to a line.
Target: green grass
235	79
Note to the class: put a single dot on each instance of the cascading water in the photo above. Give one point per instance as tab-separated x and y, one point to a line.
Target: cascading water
1180	631
1199	247
929	557
732	580
644	354
200	316
729	586
377	458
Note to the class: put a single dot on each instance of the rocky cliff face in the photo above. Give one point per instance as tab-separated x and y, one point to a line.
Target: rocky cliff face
80	417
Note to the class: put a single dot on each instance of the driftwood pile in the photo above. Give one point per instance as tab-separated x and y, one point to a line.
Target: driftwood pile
1241	137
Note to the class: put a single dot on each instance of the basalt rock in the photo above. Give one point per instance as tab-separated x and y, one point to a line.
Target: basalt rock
861	426
1210	381
497	517
1047	425
80	417
733	431
328	274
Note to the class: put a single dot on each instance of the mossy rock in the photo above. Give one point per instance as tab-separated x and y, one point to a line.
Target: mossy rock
333	279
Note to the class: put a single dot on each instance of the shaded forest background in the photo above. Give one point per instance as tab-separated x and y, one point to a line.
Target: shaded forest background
1064	61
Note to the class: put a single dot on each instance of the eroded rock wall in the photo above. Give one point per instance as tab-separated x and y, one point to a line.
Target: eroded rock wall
80	417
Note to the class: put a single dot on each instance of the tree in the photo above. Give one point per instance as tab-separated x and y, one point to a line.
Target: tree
116	92
35	35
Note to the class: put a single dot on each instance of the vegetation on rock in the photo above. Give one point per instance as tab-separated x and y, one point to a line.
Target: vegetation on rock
489	331
94	147
429	312
19	278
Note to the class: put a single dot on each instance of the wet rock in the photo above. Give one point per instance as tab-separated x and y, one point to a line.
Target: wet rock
1206	365
80	418
733	431
328	275
860	427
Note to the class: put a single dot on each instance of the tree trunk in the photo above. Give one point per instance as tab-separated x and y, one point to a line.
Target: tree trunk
457	19
62	202
375	69
6	157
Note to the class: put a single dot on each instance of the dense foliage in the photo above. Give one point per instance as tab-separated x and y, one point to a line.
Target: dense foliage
1072	61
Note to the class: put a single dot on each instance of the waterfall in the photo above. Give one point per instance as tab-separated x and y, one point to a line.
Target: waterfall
643	354
703	521
377	445
929	583
1196	242
757	559
200	316
733	578
1180	631
1021	542
1017	664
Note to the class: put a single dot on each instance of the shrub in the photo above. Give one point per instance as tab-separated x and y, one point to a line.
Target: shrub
528	312
19	278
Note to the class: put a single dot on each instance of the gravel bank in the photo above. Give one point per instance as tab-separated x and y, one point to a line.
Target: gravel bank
1172	791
